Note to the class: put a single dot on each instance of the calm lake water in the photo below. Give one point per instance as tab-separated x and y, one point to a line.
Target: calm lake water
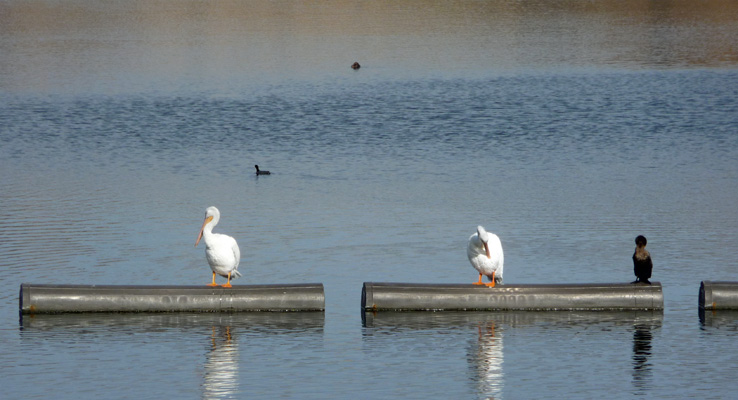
566	127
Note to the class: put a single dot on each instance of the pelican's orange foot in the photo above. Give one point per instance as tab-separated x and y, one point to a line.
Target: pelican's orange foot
226	285
478	283
213	283
491	284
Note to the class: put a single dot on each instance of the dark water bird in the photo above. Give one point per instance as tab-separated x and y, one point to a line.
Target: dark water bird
642	264
355	65
485	255
258	172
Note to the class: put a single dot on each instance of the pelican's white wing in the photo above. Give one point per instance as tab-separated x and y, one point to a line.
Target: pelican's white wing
237	256
496	256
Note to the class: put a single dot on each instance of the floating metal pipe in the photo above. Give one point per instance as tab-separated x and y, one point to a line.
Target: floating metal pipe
49	299
718	295
464	297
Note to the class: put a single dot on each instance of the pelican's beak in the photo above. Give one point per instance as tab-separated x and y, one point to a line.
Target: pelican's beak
199	236
486	248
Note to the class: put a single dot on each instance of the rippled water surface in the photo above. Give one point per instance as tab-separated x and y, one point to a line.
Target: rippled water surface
566	127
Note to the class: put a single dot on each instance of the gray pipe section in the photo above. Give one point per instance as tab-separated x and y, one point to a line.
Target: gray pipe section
49	299
718	295
465	297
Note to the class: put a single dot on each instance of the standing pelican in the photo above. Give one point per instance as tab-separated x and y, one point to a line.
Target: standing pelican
642	264
485	255
221	250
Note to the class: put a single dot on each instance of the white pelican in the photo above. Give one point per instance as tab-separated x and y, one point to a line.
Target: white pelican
485	255
642	264
221	250
258	172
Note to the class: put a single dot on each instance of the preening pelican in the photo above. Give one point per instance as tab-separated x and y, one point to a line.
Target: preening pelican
221	250
642	264
485	255
258	172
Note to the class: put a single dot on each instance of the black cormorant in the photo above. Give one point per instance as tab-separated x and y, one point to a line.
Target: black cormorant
642	265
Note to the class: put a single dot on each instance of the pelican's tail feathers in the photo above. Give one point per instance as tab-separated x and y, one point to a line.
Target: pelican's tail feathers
235	274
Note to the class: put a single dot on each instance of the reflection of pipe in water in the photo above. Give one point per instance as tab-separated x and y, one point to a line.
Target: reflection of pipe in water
105	323
393	320
221	365
486	357
641	352
720	319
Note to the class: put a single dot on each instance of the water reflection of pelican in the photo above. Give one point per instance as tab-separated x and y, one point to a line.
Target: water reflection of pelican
641	352
487	358
221	365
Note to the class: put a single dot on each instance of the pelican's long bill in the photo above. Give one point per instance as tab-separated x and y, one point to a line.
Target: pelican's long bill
210	218
486	247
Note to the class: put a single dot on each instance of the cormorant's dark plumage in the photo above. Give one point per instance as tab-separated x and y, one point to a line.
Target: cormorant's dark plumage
642	264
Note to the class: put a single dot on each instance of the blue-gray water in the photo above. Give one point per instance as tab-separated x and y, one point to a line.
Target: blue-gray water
566	127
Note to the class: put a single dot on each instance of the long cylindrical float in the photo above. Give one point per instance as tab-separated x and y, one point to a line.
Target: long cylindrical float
718	295
462	297
49	299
